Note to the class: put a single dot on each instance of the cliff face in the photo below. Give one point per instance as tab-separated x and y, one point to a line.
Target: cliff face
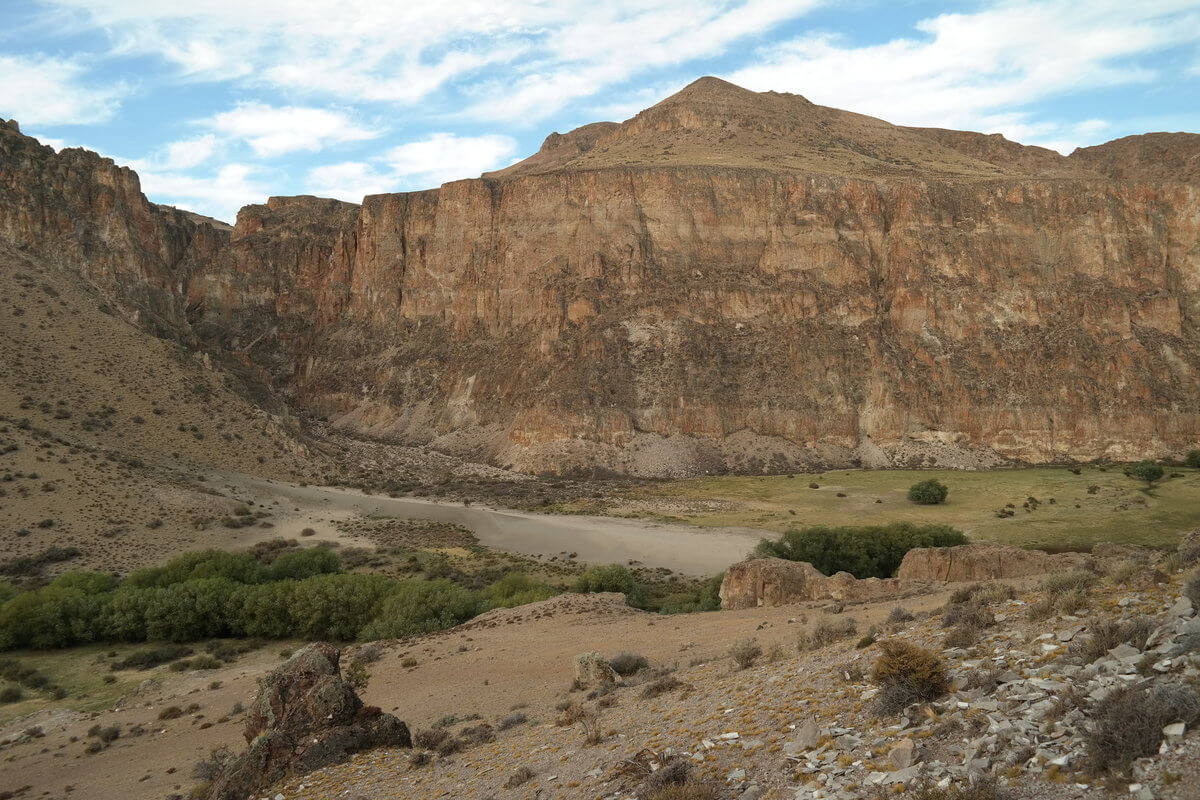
947	298
77	208
668	318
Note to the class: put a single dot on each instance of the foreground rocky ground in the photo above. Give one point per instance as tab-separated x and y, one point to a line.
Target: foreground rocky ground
1037	682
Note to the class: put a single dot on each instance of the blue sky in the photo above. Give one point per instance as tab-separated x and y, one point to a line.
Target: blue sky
219	103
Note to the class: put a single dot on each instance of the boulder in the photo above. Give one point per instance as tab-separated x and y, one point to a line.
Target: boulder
306	716
776	581
983	562
592	671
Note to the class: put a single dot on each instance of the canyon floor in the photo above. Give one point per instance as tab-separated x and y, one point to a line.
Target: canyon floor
743	729
1054	507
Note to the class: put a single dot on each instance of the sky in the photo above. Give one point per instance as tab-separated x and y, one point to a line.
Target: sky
221	103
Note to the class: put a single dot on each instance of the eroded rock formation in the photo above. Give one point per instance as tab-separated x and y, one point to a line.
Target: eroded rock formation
777	582
983	562
728	280
306	716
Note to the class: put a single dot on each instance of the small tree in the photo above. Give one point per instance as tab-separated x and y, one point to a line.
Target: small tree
1192	459
1146	471
929	492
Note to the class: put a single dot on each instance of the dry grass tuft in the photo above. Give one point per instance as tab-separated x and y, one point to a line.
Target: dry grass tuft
520	776
745	653
1127	724
826	632
907	674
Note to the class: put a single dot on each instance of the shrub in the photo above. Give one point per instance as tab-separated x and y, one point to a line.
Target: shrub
984	788
430	738
971	614
661	686
512	721
963	635
338	606
611	578
1147	471
24	566
929	492
865	552
107	734
170	712
626	664
1105	634
826	632
1192	459
11	694
745	653
907	674
200	662
516	589
1127	724
520	775
692	790
152	657
422	607
1077	580
705	597
300	564
899	615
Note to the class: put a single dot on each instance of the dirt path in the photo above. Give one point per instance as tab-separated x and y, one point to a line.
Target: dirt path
599	540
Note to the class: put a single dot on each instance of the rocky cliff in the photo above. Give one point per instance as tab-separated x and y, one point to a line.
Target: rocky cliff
729	280
83	211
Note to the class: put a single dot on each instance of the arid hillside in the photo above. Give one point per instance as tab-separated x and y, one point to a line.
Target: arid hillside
727	281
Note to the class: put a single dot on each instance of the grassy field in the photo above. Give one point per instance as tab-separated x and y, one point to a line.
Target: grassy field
1067	516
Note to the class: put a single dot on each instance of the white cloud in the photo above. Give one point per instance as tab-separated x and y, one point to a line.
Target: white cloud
350	181
365	50
38	90
189	153
445	157
421	164
276	130
57	144
977	70
220	194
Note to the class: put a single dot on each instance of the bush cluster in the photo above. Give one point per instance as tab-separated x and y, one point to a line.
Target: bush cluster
873	551
612	578
929	492
215	594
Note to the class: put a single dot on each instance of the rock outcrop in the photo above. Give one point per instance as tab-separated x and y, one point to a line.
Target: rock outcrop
592	671
983	562
306	716
77	209
776	582
729	280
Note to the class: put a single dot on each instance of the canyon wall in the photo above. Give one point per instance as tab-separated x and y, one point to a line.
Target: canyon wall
693	319
947	298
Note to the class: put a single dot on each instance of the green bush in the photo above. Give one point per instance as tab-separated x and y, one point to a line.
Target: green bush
873	551
236	567
337	606
516	589
422	607
301	564
265	611
1147	471
706	597
1192	459
611	578
928	492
